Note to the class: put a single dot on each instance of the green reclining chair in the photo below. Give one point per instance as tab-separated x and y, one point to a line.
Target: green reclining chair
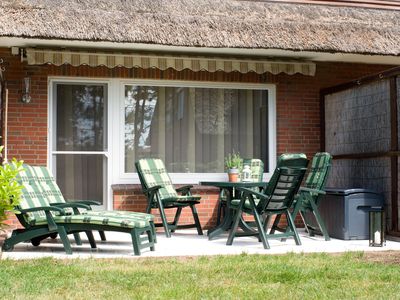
41	219
276	199
42	176
311	194
160	193
257	172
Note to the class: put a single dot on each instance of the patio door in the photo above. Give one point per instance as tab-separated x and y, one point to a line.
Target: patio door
79	140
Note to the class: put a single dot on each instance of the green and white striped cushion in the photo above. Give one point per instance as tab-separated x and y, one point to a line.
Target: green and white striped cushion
154	173
120	213
27	175
50	189
317	176
98	220
41	190
256	167
32	197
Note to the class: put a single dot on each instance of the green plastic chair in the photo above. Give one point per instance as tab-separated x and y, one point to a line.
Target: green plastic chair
161	194
276	199
43	177
40	219
311	194
257	172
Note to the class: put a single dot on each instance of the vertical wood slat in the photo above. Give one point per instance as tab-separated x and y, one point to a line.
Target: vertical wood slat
394	147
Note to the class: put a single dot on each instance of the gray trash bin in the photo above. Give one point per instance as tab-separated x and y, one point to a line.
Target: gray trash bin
346	212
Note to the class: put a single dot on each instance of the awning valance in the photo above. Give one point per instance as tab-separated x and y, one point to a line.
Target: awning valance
163	62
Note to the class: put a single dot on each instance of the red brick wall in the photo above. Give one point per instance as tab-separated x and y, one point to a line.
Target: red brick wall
298	111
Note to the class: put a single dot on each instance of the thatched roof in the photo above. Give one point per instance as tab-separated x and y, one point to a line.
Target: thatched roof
207	23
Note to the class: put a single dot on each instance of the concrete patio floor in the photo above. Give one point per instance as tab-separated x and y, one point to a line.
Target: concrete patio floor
188	243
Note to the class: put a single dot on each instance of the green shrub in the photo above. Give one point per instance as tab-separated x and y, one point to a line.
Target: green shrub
10	189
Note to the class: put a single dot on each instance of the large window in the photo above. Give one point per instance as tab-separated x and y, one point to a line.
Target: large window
192	129
99	128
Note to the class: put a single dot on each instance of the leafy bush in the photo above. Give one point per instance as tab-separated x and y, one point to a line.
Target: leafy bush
10	189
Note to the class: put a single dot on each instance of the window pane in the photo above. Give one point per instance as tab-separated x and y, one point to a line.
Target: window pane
80	118
81	177
192	129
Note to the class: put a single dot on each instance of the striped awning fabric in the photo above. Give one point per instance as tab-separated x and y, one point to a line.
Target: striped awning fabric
163	62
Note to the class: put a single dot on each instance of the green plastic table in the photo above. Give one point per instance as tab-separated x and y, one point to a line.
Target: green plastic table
228	188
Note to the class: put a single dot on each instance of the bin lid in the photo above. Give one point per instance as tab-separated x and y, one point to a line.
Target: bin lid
349	191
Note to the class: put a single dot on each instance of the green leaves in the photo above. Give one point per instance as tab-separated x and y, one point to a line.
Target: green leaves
233	160
10	189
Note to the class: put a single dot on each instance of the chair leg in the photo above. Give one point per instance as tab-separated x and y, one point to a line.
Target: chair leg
275	224
153	231
196	219
164	219
77	238
320	222
64	238
90	237
102	235
293	228
176	219
151	238
266	222
261	231
135	241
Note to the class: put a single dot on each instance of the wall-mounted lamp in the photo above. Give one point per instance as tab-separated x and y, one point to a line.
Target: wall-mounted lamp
26	94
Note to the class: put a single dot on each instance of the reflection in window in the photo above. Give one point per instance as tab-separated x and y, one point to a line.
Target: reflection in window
80	118
192	129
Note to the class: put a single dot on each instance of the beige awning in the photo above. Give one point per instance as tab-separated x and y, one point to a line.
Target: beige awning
163	62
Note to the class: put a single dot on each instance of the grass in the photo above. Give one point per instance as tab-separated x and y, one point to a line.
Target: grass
290	276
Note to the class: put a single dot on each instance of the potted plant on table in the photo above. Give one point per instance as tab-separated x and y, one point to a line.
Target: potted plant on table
233	162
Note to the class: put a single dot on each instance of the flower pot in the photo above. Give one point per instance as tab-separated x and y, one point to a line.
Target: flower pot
233	175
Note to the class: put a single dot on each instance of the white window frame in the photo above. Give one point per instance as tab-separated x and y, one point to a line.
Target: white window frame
116	121
194	178
107	200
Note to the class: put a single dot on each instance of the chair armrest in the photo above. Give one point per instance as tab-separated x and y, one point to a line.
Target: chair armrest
304	189
184	189
254	193
153	189
47	209
41	208
70	205
85	202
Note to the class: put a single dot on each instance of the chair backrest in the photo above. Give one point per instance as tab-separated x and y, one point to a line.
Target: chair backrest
152	172
287	160
284	183
32	196
49	187
318	173
256	167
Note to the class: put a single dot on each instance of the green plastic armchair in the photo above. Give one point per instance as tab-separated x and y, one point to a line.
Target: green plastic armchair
161	194
276	199
311	194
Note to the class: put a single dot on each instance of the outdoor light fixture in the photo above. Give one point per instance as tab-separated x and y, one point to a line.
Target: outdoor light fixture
377	227
26	94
